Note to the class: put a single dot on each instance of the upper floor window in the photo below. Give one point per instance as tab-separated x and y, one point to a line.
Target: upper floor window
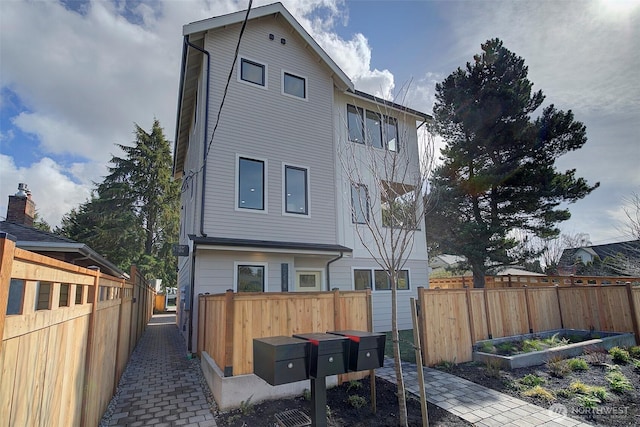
294	85
359	204
253	72
372	128
251	178
296	184
399	205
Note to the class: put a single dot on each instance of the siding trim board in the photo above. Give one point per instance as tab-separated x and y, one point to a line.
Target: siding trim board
266	245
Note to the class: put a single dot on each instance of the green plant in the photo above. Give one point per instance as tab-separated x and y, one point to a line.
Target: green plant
246	407
531	345
531	380
558	367
619	355
577	365
306	394
233	418
447	366
540	393
354	385
618	383
599	393
578	387
588	401
595	356
357	401
506	348
565	392
634	351
492	368
486	347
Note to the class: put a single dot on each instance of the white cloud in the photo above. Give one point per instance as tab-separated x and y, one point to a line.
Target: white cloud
53	192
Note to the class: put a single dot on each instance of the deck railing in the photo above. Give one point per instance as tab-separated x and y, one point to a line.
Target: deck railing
518	281
67	334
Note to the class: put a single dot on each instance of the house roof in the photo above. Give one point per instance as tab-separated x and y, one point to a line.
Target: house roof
32	239
629	249
244	244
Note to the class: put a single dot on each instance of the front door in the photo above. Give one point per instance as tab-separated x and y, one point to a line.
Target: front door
309	280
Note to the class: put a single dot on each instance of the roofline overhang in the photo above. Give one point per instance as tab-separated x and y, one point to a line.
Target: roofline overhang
246	245
389	104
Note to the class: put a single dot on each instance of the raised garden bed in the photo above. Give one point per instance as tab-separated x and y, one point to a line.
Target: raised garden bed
536	349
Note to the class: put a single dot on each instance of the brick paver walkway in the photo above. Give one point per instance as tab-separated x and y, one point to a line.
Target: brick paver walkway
160	386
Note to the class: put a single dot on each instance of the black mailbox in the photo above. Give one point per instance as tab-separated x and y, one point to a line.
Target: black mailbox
281	360
329	354
366	349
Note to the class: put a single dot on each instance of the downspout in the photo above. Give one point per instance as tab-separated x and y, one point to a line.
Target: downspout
327	268
206	128
192	286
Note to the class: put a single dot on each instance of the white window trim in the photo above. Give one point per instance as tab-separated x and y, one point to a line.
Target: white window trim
308	270
373	279
284	193
252	263
239	73
265	184
306	85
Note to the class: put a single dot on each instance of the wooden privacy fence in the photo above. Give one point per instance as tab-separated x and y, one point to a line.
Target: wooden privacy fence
518	281
66	339
453	320
228	323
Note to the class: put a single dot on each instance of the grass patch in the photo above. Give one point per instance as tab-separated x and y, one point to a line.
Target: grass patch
619	355
407	352
540	392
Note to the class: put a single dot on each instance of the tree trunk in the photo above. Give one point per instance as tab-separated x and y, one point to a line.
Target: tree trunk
478	275
402	400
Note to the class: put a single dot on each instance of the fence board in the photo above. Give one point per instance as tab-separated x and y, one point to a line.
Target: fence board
479	315
507	312
544	309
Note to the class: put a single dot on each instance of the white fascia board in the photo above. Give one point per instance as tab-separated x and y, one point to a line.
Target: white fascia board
270	250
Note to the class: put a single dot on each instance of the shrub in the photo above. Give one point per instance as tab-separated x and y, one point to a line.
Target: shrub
354	385
540	392
492	368
506	348
619	355
486	347
618	383
578	387
357	401
577	365
588	401
531	380
531	345
555	341
447	366
635	351
558	367
599	393
246	407
596	356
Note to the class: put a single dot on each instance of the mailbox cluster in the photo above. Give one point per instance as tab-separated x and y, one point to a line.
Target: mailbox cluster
281	360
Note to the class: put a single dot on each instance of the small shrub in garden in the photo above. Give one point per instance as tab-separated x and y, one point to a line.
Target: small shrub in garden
634	351
540	393
506	348
492	368
531	345
579	387
531	380
577	365
486	347
618	383
599	392
357	401
354	385
558	367
619	355
596	356
588	401
565	392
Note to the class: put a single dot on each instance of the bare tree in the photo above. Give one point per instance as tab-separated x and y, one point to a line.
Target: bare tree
384	185
632	212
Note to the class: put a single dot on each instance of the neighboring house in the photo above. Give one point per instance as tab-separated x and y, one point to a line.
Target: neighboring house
626	253
444	265
19	223
266	205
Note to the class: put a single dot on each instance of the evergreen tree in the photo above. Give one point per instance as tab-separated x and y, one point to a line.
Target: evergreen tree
133	217
498	176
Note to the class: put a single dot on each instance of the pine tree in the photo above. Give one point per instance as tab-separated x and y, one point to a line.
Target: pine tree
499	174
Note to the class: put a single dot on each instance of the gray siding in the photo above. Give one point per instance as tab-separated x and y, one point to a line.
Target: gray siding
268	125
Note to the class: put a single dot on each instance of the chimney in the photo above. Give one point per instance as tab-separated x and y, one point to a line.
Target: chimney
21	209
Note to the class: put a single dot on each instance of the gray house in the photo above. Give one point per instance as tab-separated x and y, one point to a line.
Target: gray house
266	205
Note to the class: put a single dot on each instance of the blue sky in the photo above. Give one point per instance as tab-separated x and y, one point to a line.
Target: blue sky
76	75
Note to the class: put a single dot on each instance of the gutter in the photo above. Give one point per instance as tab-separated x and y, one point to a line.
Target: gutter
206	128
327	269
192	286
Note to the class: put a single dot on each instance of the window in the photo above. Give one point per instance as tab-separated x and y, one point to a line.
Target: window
355	124
362	279
391	133
295	190
253	72
250	278
251	184
399	205
294	85
374	129
359	204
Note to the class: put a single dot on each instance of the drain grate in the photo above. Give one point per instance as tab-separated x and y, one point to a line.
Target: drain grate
293	418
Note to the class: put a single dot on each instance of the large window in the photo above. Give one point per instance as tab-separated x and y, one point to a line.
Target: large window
294	85
399	205
251	179
359	204
365	278
250	278
372	128
296	190
356	124
253	72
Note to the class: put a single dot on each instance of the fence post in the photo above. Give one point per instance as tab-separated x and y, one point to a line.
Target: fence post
7	247
336	310
559	306
509	277
472	329
526	301
372	373
634	312
88	387
228	334
486	309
